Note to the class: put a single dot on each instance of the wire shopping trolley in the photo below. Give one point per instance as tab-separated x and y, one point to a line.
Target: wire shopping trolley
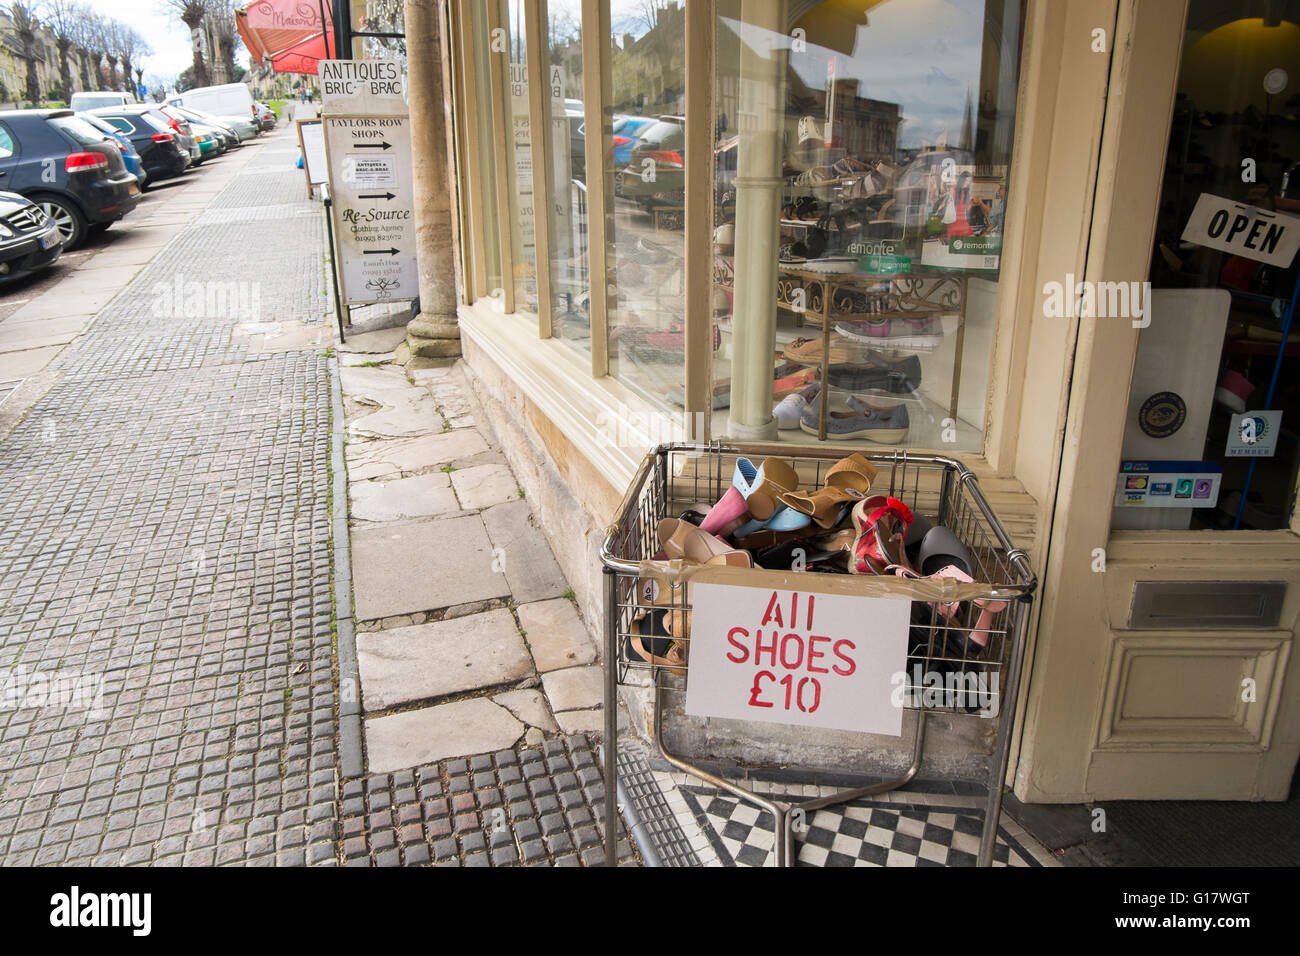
978	680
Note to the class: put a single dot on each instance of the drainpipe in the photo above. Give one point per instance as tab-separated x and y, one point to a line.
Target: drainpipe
434	334
758	208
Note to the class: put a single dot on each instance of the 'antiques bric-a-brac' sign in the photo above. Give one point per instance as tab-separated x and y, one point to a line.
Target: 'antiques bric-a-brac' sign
797	657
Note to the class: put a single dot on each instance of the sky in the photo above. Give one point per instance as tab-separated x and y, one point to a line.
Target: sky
162	30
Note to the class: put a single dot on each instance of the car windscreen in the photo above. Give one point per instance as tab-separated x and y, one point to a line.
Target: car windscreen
89	101
82	133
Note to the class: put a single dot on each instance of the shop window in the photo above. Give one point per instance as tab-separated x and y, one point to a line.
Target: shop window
1211	435
860	186
522	185
378	30
571	310
647	166
480	133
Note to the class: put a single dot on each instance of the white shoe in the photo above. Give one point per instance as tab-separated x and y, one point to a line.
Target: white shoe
789	410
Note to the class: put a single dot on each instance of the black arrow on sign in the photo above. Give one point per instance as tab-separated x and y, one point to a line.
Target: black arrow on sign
376	196
379	252
371	146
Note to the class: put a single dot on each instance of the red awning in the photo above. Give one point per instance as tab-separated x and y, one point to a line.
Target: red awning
287	34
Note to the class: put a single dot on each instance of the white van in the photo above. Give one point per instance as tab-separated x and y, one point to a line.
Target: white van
93	100
229	99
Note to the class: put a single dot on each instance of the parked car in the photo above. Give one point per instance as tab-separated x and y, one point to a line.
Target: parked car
222	137
656	169
181	127
238	128
266	117
161	151
129	155
94	99
67	167
29	239
231	100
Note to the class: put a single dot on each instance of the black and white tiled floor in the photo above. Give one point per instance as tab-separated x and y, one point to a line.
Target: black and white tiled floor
902	828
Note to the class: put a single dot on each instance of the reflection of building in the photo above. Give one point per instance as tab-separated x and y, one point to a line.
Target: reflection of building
648	71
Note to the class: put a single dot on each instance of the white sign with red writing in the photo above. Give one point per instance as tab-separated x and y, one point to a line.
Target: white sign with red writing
797	657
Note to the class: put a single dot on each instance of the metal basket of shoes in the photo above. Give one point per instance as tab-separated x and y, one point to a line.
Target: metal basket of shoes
898	525
949	536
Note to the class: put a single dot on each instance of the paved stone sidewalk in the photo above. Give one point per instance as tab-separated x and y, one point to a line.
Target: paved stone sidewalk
478	679
166	547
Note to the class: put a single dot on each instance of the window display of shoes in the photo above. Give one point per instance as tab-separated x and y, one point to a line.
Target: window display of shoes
919	334
886	427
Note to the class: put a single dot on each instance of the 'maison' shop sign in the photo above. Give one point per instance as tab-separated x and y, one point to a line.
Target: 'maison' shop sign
796	657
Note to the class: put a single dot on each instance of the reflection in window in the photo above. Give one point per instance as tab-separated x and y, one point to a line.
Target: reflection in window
522	208
571	310
647	168
860	191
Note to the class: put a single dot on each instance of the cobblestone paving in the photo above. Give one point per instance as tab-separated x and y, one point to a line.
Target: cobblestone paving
529	806
165	553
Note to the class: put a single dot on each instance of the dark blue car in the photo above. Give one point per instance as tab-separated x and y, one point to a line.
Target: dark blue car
129	156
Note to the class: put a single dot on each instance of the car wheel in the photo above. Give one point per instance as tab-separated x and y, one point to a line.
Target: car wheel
71	223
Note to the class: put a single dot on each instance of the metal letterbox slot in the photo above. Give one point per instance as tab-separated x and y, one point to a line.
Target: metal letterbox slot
1206	605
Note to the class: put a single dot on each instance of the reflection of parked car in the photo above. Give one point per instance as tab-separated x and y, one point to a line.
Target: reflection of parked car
29	239
627	129
656	170
67	167
160	150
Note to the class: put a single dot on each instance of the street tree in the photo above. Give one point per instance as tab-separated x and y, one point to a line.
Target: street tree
25	28
82	31
131	46
192	13
62	17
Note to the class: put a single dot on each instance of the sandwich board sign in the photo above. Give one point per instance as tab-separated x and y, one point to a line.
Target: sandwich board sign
374	223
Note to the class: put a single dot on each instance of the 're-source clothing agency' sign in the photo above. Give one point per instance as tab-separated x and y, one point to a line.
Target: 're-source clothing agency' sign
1246	231
374	226
797	657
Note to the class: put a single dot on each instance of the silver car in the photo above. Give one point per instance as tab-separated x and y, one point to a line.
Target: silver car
242	128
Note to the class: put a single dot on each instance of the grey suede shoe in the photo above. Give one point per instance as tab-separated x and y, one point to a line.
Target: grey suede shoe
888	428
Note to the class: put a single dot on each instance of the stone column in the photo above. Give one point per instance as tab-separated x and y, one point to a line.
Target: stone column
433	334
760	122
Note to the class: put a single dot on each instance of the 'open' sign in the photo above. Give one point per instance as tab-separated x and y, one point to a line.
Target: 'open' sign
797	657
1246	231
